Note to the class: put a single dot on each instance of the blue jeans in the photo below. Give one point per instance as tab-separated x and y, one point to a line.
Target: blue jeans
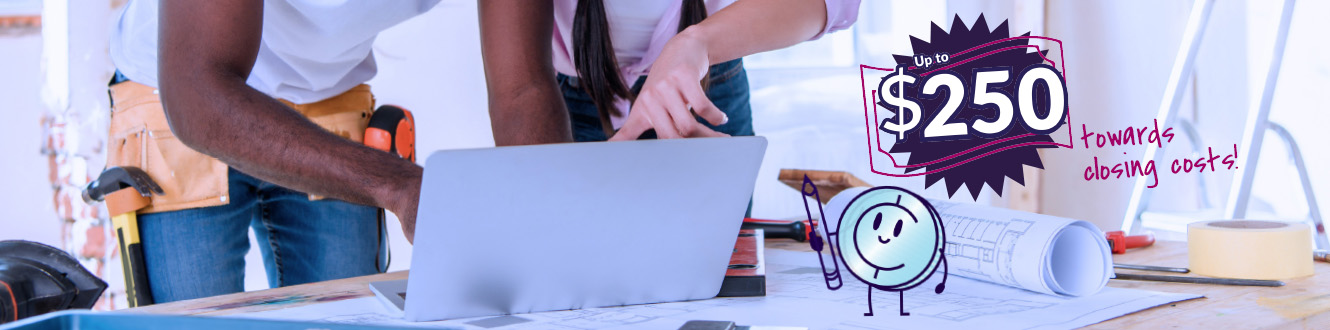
728	91
200	252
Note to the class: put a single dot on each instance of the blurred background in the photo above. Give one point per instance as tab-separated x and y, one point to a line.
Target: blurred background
806	101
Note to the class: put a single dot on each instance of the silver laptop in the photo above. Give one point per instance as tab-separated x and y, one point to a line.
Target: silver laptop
554	227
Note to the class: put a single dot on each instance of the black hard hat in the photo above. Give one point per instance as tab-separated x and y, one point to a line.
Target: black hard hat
36	279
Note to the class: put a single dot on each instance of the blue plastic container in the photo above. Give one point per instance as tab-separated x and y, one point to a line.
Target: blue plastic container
88	320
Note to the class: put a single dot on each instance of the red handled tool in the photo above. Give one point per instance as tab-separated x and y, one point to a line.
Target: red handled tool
1119	242
392	129
797	230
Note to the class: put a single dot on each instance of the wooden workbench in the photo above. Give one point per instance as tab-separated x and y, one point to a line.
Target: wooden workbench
1302	303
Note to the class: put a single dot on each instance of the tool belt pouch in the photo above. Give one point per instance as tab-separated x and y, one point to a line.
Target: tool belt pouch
140	137
345	115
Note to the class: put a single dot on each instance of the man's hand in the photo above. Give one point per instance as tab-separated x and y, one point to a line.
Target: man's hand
673	93
408	200
206	51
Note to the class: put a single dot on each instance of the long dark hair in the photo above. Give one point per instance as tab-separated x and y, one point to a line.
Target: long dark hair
593	55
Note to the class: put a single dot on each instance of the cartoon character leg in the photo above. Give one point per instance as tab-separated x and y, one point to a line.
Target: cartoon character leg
903	313
945	271
870	301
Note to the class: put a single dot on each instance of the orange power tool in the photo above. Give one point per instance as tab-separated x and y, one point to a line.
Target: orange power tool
392	129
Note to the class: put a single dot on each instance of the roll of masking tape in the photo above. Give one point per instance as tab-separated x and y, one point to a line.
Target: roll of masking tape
1250	249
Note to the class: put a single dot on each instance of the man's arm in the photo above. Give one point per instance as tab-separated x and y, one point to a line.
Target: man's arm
525	104
206	51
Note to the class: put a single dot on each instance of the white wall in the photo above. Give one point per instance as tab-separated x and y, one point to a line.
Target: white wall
1299	104
1118	57
26	199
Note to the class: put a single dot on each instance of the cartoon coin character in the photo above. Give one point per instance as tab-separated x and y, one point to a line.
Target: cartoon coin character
888	237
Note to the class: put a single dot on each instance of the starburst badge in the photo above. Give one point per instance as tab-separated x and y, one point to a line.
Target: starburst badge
969	107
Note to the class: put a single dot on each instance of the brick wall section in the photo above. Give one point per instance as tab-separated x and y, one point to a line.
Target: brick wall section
86	229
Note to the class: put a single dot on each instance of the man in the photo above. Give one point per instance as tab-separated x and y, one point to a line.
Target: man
261	102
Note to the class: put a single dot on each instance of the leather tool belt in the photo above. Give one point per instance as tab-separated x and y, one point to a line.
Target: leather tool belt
140	137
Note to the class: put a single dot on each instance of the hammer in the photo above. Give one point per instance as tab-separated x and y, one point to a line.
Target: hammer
125	191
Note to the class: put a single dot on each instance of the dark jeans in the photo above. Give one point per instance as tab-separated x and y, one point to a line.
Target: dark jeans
728	90
200	252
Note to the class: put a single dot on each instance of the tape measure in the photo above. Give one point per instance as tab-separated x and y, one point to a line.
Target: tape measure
392	129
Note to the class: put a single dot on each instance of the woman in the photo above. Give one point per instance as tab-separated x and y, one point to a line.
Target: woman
628	68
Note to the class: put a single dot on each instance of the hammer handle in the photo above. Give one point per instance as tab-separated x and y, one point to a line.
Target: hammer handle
126	227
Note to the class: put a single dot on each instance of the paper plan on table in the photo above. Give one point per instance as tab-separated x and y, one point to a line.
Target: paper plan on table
797	296
1036	252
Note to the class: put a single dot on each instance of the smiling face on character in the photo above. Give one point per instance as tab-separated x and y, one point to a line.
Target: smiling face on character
873	235
891	240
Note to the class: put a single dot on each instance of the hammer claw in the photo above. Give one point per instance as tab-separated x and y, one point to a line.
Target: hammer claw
117	178
144	184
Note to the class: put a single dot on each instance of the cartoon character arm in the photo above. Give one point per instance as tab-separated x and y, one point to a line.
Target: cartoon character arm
943	254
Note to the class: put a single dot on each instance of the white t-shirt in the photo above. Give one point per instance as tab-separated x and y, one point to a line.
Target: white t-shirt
311	50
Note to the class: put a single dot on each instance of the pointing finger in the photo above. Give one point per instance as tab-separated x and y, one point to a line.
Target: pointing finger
632	129
660	119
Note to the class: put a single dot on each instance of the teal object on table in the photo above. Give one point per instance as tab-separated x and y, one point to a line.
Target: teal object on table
87	320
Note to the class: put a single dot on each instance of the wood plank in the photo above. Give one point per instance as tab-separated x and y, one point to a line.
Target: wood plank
1026	197
1300	303
279	298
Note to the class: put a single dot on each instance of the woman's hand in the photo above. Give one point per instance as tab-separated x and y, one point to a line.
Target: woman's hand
673	93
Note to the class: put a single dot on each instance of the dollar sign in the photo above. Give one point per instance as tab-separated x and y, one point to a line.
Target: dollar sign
897	80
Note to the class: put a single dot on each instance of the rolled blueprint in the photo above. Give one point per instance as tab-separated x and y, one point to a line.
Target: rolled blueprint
1036	252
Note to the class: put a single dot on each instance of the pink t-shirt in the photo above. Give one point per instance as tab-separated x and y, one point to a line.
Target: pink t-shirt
639	29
